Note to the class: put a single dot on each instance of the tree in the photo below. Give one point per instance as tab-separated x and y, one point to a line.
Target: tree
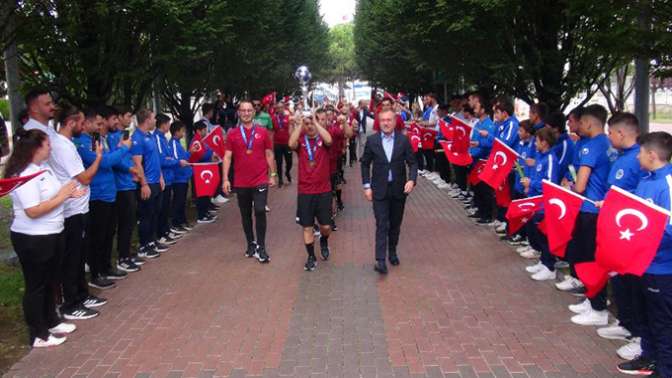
617	87
341	62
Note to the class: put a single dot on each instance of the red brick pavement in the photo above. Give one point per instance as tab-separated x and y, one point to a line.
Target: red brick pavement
459	305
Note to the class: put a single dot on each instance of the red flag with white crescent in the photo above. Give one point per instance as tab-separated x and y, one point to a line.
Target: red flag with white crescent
561	207
428	138
475	172
593	276
206	179
9	184
462	159
521	211
461	134
500	163
216	141
629	231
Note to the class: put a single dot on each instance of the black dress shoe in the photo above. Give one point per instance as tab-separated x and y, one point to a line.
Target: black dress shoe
380	267
394	260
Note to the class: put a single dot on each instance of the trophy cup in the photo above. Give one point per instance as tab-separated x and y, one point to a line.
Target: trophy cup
303	76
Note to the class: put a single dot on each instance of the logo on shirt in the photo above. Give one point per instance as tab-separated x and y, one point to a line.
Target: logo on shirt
585	151
619	174
539	167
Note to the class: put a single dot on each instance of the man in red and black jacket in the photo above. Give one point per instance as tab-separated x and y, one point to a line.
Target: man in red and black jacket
282	128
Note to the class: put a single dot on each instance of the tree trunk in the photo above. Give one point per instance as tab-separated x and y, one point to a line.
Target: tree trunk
654	89
13	84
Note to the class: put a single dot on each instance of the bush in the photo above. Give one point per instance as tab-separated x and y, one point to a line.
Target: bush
4	108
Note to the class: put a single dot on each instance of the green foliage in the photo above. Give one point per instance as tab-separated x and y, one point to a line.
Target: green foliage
341	64
4	108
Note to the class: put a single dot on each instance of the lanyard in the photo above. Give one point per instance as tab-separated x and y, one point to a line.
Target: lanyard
249	143
311	150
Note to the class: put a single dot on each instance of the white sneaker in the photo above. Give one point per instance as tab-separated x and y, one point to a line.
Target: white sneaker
501	228
531	254
443	186
63	328
569	283
544	274
524	249
592	318
220	199
421	172
431	176
534	268
268	209
631	350
580	307
561	264
614	332
472	211
49	342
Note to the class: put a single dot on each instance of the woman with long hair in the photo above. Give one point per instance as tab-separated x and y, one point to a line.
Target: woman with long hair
37	234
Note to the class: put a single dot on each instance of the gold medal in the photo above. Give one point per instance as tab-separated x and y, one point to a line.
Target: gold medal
249	152
311	163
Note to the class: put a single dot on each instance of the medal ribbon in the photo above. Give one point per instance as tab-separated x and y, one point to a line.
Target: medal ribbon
310	150
249	143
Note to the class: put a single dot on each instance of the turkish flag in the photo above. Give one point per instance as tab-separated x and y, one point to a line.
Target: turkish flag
503	195
206	179
216	141
561	208
461	135
428	137
414	128
447	129
9	184
415	141
629	230
521	211
475	173
269	99
196	149
457	158
542	226
593	276
500	163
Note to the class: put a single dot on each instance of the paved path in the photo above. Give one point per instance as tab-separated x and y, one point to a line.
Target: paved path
459	305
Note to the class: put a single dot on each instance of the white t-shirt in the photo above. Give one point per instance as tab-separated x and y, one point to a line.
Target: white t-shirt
31	194
66	164
33	124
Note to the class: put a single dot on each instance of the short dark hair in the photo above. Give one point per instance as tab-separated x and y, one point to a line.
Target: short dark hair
660	142
23	115
65	112
176	126
557	121
624	119
504	105
547	135
596	111
527	126
123	109
161	119
207	108
33	94
467	109
319	111
107	111
386	99
200	125
541	109
91	113
142	115
576	112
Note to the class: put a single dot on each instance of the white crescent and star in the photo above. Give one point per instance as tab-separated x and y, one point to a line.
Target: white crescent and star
526	205
557	202
208	173
627	234
504	159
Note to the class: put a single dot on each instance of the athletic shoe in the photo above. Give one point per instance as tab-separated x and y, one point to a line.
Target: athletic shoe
262	256
516	240
544	274
220	199
631	350
472	211
531	254
638	366
178	230
501	228
443	186
534	268
175	236
421	172
340	207
324	251
148	252
101	283
311	264
561	264
569	283
205	219
80	313
485	222
580	307
251	250
268	209
92	301
127	265
456	194
138	260
524	249
187	227
63	328
505	238
159	247
115	274
49	342
334	227
167	240
592	318
614	332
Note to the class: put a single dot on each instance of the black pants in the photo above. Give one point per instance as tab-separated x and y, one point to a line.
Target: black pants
420	158
657	341
73	277
203	206
125	222
148	213
484	199
627	290
40	258
162	221
443	166
429	159
582	249
389	213
178	215
461	177
282	152
101	234
352	147
253	199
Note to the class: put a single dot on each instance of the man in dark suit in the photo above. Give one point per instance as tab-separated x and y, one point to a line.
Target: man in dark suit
390	153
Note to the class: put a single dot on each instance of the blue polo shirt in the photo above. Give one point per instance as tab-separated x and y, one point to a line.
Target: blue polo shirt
657	188
625	171
594	153
122	177
168	162
483	149
182	174
144	144
103	187
506	132
564	149
524	148
546	168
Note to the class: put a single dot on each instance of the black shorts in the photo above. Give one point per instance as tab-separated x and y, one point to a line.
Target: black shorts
311	206
335	181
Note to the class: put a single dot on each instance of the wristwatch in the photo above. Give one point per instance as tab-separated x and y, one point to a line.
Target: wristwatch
273	174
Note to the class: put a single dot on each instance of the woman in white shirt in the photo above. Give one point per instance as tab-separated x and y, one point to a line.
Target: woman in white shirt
37	234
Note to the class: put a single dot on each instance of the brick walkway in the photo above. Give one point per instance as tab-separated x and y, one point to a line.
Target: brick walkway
459	305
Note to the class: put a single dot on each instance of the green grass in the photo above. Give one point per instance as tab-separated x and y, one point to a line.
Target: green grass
13	332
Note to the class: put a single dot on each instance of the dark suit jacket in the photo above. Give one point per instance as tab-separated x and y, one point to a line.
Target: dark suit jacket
402	156
361	119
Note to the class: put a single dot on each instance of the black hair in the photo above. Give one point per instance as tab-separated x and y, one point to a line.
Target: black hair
660	142
176	126
207	108
142	115
527	126
26	142
557	121
541	109
91	113
200	125
576	112
107	111
65	112
33	94
596	111
504	105
625	119
467	109
161	119
550	136
123	109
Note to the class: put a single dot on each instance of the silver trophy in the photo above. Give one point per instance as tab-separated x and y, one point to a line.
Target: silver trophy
303	76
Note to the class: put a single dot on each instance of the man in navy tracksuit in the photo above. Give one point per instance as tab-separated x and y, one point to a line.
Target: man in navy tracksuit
169	164
484	196
181	178
656	358
102	201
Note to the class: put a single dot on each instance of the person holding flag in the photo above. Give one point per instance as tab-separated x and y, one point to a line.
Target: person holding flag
311	141
183	174
201	153
656	336
282	127
480	149
251	148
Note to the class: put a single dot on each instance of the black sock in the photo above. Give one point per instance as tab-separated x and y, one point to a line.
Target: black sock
338	196
324	241
310	248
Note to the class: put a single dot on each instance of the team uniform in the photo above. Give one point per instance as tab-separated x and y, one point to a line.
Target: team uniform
280	147
314	189
180	185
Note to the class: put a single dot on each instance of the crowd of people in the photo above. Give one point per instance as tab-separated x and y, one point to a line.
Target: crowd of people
96	180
